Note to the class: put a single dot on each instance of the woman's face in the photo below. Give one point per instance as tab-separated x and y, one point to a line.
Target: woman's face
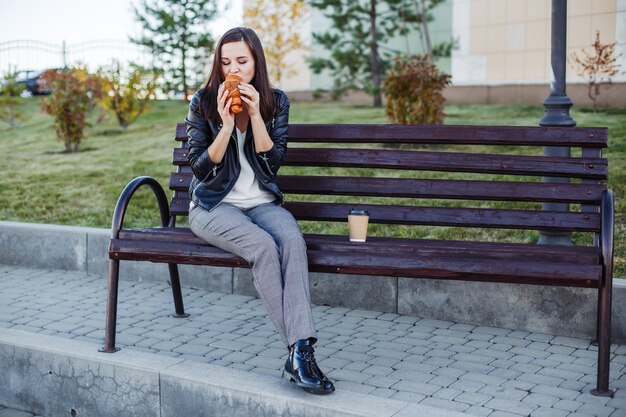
237	59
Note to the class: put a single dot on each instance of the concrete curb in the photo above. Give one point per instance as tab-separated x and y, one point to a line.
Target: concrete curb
52	376
560	311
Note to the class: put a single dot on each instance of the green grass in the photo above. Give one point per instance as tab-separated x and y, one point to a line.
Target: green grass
41	183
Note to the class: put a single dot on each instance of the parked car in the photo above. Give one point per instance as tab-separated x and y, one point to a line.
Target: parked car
33	82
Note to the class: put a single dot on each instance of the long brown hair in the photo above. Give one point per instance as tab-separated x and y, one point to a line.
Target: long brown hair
207	106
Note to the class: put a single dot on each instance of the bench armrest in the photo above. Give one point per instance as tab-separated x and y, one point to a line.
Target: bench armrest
124	200
608	225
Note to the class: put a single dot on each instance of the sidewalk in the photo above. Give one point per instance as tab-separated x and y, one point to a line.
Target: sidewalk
476	370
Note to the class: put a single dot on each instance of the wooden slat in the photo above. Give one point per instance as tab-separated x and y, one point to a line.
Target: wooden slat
179	156
435	216
447	216
413	188
594	168
390	245
448	189
368	262
490	135
539	273
448	162
181	132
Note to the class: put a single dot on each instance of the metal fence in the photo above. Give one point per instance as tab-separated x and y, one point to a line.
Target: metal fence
22	55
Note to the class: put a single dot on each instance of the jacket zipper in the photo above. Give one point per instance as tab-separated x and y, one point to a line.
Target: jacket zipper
265	158
237	147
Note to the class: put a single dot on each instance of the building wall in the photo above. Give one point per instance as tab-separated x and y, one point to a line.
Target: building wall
500	43
508	41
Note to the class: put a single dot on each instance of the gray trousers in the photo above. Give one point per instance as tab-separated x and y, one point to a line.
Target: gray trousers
270	240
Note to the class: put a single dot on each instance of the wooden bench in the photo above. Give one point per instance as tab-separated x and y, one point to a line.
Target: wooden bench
402	177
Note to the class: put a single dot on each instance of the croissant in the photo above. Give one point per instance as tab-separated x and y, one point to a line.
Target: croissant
231	83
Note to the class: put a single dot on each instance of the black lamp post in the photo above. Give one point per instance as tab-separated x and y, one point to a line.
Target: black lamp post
557	106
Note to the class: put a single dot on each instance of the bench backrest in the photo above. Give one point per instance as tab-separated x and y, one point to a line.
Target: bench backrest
400	174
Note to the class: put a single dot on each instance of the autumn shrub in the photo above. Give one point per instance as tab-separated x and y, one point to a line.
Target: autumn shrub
75	93
127	92
597	67
413	88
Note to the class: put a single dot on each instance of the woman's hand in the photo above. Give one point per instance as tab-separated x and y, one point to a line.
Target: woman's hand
223	107
250	96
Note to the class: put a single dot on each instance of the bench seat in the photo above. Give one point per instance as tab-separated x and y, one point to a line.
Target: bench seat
400	257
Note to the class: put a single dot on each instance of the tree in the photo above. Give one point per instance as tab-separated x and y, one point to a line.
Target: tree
176	32
423	16
597	68
74	93
360	30
278	23
127	92
10	102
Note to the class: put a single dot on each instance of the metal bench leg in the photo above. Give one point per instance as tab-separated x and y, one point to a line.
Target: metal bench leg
111	314
604	338
176	291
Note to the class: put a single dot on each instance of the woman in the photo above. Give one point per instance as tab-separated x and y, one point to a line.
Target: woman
236	203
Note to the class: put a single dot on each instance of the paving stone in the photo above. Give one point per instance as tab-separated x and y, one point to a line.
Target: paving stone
483	379
408	396
549	412
541	400
407	375
509	406
561	373
473	398
503	393
384	361
444	404
364	313
476	410
238	357
491	330
449	372
443	381
467	385
571	342
534	353
381	381
472	367
166	346
541	379
377	370
346	375
195	358
356	366
596	410
573	385
447	394
192	349
567	405
383	392
416	387
506	374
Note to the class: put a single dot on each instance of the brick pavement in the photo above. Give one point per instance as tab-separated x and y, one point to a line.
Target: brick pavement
483	371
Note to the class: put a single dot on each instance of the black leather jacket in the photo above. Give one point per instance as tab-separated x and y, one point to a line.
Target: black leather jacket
212	182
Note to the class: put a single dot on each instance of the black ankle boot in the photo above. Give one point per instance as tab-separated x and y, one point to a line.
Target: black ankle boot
328	384
300	368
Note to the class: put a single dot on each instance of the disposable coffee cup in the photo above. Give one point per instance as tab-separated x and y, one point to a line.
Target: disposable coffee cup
357	225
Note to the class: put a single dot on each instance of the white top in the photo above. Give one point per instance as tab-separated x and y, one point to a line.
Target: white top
247	192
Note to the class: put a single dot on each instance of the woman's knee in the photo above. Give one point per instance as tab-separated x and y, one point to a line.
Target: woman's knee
264	247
